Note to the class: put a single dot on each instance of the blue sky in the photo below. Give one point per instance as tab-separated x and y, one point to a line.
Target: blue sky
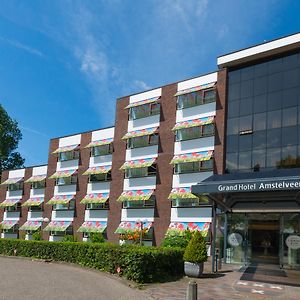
63	63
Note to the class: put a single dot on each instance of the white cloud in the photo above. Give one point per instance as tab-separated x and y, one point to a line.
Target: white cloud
34	131
140	85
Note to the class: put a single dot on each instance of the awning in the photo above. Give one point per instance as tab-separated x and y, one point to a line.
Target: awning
142	132
60	199
99	143
36	178
97	170
178	228
136	195
195	89
182	193
131	226
147	101
58	226
65	149
37	201
192	157
95	198
93	226
140	163
12	180
8	224
63	174
194	123
31	225
10	202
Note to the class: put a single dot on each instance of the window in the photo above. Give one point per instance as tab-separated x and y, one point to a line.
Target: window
100	177
67	180
68	206
143	111
38	184
16	186
140	204
36	208
69	231
16	207
190	167
185	202
13	230
91	206
195	132
142	141
102	150
140	172
63	156
196	98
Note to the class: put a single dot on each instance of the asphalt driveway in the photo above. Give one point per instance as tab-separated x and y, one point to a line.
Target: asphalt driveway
25	279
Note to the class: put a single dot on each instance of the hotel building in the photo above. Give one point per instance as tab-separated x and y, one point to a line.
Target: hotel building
217	153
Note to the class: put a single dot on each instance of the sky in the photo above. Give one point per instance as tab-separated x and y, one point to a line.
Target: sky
64	63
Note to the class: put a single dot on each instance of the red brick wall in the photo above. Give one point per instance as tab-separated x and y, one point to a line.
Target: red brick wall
220	136
116	185
165	155
3	189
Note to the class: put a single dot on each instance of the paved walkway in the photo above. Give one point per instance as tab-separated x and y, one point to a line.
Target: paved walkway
230	284
25	279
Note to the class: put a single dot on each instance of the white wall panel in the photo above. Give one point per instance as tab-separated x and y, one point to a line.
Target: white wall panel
95	215
137	214
140	183
62	215
11	215
98	187
195	112
152	121
191	214
187	84
144	152
65	189
67	165
145	95
195	145
103	134
100	160
185	180
69	140
54	238
42	170
37	193
16	173
9	235
35	215
14	194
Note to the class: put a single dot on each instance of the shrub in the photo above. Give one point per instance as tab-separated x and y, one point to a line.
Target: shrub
97	238
195	251
140	264
37	236
180	241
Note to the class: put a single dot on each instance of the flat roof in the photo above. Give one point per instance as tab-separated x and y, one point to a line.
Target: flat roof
259	51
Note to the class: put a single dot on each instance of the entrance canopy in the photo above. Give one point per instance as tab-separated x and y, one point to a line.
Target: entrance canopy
256	191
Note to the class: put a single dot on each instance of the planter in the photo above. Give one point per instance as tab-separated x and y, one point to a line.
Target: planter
193	270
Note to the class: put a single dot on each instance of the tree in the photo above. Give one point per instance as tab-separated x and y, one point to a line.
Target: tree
10	135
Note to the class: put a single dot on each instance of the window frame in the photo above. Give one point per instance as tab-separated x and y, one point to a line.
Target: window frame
201	135
130	144
14	208
194	203
73	180
110	150
65	207
75	154
153	110
18	186
151	172
35	185
143	204
107	177
99	206
68	231
195	169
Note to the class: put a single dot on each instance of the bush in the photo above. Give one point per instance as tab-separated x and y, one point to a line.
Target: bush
97	238
140	264
196	252
180	241
37	236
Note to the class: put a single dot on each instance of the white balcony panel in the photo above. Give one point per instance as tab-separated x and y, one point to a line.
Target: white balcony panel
11	215
65	189
145	95
9	235
16	173
100	160
14	194
152	121
54	238
98	187
191	214
196	145
35	215
140	183
103	134
70	140
186	180
67	165
62	215
42	170
96	215
195	112
187	84
133	214
37	193
144	152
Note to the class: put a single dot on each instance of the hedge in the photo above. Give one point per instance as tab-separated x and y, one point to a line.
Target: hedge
137	263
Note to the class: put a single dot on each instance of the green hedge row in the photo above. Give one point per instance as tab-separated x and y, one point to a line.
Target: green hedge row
140	264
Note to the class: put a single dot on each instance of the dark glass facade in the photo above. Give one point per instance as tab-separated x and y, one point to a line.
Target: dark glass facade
263	115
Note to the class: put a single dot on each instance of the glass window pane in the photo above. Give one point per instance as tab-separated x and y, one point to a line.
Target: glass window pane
245	123
260	85
274	100
259	121
245	142
234	76
259	139
247	73
289	135
258	159
209	96
261	69
274	119
245	160
260	103
233	109
273	157
208	130
274	138
290	78
290	62
231	161
275	65
275	82
290	97
289	157
233	126
247	89
233	92
232	143
289	116
246	106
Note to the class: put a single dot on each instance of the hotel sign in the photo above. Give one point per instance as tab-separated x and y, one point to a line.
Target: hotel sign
259	185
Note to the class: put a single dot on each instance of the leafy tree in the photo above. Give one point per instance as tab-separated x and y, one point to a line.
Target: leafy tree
10	135
195	251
